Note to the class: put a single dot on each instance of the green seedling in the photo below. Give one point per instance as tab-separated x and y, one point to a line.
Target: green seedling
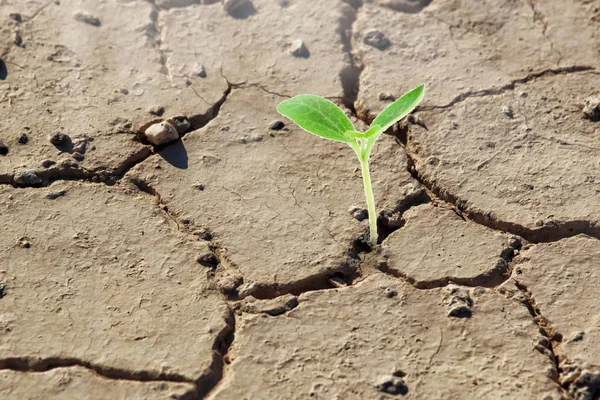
321	117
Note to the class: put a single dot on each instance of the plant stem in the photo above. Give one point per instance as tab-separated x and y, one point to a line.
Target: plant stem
364	162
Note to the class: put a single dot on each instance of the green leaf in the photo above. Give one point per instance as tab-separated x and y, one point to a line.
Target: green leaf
317	116
398	109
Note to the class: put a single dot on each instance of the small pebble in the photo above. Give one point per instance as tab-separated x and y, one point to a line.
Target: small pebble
22	138
16	17
124	91
384	96
200	71
3	149
26	178
276	125
298	49
377	39
157	110
2	290
24	243
161	133
198	186
208	259
508	111
86	18
58	138
48	163
391	292
591	109
77	156
203	234
392	385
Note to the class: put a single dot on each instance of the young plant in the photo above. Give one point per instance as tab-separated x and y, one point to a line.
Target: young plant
321	117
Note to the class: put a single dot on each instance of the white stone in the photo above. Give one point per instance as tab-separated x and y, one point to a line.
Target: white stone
161	133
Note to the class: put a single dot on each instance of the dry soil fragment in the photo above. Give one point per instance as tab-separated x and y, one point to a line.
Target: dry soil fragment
122	292
564	280
81	383
340	343
81	89
535	175
278	204
437	246
265	38
457	47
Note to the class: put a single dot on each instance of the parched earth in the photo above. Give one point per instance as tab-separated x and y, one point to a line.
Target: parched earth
232	264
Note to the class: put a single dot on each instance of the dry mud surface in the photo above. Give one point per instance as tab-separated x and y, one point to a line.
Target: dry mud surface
231	263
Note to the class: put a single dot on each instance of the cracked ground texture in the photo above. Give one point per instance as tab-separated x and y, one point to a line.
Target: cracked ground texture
227	265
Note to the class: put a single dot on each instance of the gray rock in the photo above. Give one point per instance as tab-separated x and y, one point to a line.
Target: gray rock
161	133
377	39
3	149
58	138
22	138
298	49
27	178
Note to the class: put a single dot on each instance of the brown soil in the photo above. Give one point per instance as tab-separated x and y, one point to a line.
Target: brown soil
230	263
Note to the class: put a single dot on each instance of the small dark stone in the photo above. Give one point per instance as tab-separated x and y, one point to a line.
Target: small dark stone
391	292
24	243
198	186
208	259
78	156
22	138
3	149
376	39
157	110
2	290
48	163
276	125
16	17
58	138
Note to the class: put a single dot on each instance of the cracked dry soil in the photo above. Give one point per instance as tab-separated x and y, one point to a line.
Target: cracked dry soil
226	265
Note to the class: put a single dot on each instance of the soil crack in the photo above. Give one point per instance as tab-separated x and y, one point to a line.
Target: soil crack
37	364
539	16
545	234
509	86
